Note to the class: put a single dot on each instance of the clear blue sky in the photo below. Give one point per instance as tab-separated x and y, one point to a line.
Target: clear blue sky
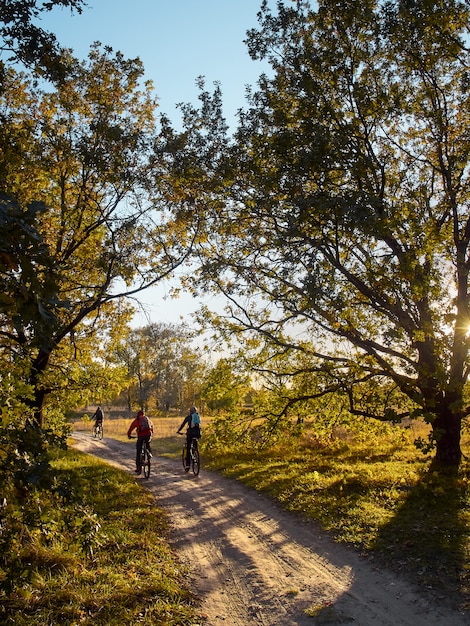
177	41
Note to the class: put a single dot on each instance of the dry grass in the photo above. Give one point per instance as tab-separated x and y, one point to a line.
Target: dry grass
165	440
117	427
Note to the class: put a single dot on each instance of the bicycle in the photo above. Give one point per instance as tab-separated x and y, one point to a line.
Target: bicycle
98	430
194	461
145	457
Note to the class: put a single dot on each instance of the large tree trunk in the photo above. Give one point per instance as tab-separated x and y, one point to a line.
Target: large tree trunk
37	403
446	430
39	397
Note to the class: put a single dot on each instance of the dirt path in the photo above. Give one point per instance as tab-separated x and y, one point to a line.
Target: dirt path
255	565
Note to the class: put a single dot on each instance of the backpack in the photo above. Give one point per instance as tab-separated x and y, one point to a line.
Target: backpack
195	420
144	424
195	425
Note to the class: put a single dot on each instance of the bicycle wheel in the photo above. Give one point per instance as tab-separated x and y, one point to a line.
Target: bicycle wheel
146	463
195	460
100	432
94	431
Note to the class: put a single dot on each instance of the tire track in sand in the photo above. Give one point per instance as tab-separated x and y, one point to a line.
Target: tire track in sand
253	564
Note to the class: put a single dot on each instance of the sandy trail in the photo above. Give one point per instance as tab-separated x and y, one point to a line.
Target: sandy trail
256	565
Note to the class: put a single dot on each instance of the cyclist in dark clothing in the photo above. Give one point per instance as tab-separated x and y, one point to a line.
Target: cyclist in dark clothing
98	416
193	422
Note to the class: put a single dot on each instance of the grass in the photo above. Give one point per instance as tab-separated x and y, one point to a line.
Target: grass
327	614
374	492
106	559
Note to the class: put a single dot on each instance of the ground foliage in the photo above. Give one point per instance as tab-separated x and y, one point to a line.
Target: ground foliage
85	545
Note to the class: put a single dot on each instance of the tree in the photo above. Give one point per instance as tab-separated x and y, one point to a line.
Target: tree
163	366
93	224
346	204
29	43
223	389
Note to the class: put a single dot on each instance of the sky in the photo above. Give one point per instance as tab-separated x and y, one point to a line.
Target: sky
177	41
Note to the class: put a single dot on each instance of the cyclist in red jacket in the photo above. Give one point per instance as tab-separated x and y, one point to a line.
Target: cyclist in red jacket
144	428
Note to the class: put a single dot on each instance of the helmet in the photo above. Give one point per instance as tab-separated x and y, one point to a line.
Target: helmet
193	409
140	413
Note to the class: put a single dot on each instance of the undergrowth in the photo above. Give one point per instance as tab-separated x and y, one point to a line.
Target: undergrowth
92	550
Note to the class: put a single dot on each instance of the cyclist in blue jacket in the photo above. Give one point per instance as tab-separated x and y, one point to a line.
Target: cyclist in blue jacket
193	422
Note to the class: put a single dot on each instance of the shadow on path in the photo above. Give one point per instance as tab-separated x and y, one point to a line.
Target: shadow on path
256	565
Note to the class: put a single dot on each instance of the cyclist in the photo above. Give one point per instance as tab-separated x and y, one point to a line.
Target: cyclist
98	417
193	421
144	428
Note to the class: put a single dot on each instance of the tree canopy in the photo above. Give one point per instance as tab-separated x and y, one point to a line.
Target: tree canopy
164	370
88	221
28	43
341	215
